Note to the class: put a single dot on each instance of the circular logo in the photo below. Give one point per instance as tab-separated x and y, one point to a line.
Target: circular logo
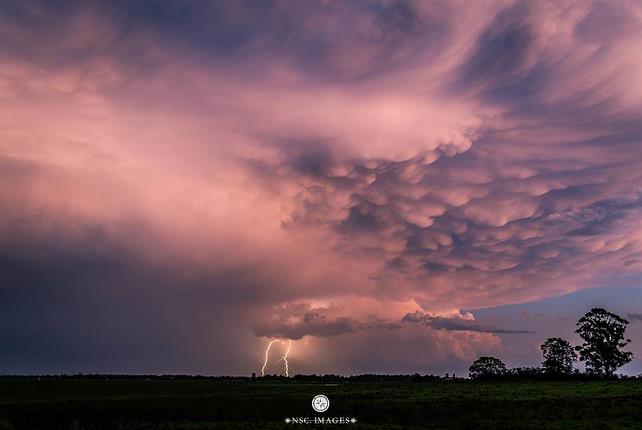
320	403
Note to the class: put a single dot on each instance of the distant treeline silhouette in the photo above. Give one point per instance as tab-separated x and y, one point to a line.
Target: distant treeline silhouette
603	335
601	331
518	373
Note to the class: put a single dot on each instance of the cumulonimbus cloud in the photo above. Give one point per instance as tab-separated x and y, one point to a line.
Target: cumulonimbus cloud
419	155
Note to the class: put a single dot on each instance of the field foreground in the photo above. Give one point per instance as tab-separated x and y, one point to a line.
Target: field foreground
214	404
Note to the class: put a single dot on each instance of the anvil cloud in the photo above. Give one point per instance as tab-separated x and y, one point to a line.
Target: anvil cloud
184	180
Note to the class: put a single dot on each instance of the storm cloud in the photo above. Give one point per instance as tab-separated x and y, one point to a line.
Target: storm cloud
184	180
455	323
299	320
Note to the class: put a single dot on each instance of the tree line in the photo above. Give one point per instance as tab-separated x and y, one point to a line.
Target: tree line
602	333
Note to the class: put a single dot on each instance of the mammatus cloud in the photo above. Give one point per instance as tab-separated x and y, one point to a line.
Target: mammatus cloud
465	322
383	156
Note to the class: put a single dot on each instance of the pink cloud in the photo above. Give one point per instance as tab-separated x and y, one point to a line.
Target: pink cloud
425	156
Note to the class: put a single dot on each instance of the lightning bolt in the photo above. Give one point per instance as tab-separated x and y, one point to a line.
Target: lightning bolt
285	358
267	354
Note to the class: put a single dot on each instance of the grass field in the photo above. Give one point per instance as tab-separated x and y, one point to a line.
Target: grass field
211	404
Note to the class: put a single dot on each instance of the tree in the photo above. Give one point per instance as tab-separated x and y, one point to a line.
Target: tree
486	367
603	335
524	372
559	356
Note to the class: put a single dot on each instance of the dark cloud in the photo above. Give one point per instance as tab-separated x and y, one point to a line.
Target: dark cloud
78	310
300	320
498	67
306	36
82	297
455	323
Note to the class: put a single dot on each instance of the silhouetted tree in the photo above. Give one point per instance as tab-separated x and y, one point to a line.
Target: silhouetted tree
486	367
559	356
603	334
524	372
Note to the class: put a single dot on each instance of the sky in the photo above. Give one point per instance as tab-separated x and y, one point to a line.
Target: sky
392	186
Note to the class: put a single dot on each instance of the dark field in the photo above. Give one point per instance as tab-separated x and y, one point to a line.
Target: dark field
210	404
